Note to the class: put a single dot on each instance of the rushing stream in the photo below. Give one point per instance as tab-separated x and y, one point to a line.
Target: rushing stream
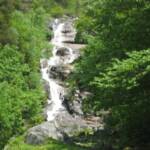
63	32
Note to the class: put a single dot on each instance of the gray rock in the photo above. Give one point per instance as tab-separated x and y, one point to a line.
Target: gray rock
69	37
64	125
77	107
69	125
47	88
68	32
67	28
35	138
47	108
44	63
73	106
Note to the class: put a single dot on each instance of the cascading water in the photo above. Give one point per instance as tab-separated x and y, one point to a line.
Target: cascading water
56	91
60	123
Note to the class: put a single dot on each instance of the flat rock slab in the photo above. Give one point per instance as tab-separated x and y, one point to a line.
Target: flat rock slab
75	46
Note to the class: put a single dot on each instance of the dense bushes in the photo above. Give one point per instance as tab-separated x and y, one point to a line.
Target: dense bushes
57	8
21	94
115	67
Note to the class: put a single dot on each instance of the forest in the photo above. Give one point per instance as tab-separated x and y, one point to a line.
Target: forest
114	67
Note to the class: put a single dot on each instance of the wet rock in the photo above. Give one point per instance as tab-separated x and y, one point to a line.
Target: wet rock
69	37
44	63
67	28
48	107
59	72
62	51
73	101
47	88
68	32
76	106
60	82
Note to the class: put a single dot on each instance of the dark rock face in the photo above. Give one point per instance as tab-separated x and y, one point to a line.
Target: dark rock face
77	104
62	51
74	107
59	72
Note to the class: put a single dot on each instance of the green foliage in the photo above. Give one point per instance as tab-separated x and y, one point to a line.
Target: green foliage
21	95
125	86
115	67
18	144
6	32
59	8
57	11
10	113
130	71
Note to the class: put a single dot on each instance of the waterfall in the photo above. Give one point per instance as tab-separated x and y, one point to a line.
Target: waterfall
59	122
62	33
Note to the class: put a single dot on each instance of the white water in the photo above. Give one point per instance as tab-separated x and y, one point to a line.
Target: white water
57	91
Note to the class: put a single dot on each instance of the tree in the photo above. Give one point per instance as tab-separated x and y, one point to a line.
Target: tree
115	68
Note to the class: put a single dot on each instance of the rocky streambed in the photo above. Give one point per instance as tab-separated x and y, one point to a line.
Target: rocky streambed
60	123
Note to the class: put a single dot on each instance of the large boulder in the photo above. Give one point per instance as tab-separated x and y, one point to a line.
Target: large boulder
73	106
70	125
64	126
